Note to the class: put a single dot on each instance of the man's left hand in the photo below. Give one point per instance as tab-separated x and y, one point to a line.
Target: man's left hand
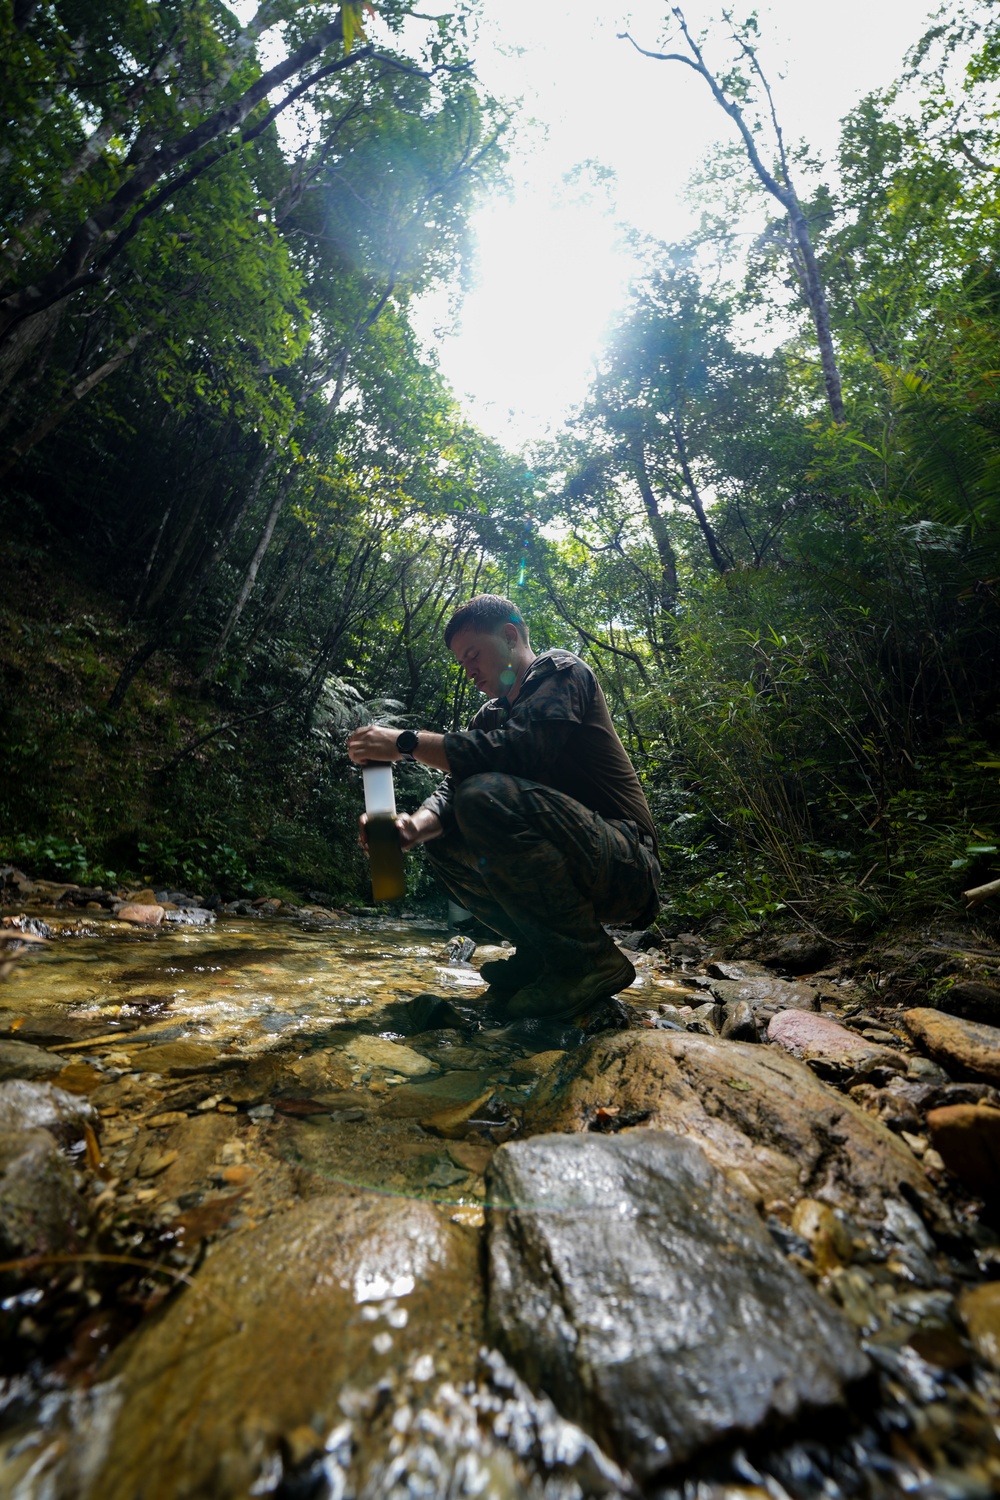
373	744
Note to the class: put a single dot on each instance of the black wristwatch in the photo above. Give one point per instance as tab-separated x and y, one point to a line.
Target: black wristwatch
407	742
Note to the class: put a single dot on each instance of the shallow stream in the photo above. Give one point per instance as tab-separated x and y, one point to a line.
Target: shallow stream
276	1286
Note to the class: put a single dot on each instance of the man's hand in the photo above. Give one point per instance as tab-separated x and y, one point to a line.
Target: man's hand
371	744
414	828
376	744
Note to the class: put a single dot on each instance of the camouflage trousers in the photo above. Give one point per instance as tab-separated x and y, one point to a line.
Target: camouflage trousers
543	870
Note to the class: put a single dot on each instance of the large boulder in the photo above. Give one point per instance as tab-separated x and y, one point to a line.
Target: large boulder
635	1286
967	1049
761	1116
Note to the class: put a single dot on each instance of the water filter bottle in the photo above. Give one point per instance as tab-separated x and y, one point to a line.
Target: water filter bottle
384	853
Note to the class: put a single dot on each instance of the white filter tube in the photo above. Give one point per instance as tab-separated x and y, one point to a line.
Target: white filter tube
380	798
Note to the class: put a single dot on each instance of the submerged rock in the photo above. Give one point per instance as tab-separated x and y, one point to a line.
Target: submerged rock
379	1052
762	1117
635	1286
180	1059
967	1049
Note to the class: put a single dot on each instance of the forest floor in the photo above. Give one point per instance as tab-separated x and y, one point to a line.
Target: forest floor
284	1213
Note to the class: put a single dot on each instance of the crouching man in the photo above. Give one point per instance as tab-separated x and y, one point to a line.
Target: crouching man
540	827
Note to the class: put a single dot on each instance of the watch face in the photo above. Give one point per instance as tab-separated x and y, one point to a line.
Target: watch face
406	743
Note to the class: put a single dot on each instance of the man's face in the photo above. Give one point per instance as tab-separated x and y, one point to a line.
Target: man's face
484	655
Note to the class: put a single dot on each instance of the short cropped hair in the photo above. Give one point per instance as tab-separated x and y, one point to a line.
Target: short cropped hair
486	612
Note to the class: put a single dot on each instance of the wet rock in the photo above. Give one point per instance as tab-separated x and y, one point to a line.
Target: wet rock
33	1106
830	1047
140	915
22	1060
799	953
967	1049
189	916
41	1211
761	1116
33	926
706	1019
739	1025
973	1002
377	1052
968	1139
289	1324
459	950
187	1153
647	1286
179	1059
980	1310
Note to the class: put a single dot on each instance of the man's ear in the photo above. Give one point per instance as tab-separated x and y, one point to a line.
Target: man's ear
510	633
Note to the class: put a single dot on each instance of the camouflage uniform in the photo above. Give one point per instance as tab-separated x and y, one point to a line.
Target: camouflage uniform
538	865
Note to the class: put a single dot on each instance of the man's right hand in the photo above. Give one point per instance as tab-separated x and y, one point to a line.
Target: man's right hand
414	828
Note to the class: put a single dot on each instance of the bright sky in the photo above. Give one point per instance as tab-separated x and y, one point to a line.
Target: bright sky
552	267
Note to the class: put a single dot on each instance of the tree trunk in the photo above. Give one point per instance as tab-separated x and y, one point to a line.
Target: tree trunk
783	191
250	578
62	408
657	525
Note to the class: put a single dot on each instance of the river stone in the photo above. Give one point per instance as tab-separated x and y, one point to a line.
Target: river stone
289	1324
973	1002
379	1052
820	1040
766	991
41	1212
967	1049
761	1116
967	1136
640	1291
741	969
22	1060
33	1106
739	1025
140	915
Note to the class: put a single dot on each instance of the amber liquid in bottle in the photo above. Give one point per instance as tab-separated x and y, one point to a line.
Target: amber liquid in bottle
385	857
